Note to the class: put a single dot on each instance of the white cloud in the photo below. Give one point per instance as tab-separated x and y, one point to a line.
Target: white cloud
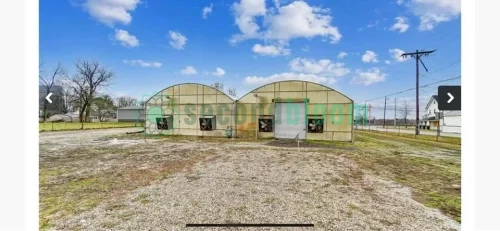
323	67
370	76
207	10
177	40
341	55
387	62
295	20
401	24
318	71
189	70
142	63
399	2
219	72
306	48
433	12
258	80
245	12
110	12
270	50
369	25
126	39
396	55
369	57
298	19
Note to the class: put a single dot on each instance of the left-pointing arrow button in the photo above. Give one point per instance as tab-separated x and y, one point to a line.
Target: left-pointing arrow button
48	97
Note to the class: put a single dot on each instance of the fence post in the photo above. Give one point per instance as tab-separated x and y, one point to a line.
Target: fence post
439	126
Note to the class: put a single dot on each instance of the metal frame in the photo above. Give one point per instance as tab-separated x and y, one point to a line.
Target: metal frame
276	89
329	88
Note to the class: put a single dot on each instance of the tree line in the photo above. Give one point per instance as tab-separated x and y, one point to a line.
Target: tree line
81	91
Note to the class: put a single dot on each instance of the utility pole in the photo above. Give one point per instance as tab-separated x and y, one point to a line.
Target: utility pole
394	112
369	115
417	55
364	115
385	104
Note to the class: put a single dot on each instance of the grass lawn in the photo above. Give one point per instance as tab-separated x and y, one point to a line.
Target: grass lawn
441	139
434	182
431	169
77	126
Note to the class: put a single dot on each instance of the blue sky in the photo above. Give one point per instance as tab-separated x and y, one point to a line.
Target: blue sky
247	43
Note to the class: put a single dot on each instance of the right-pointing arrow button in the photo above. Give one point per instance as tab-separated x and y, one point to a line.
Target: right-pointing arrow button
451	97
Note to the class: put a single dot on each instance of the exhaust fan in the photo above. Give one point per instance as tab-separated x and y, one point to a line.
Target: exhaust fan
207	123
265	125
164	123
315	126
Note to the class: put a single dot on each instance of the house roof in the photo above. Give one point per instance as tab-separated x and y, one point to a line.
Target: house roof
432	118
131	108
435	97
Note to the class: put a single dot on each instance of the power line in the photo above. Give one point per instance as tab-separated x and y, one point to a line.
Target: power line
437	42
448	43
406	98
440	69
422	86
448	33
450	65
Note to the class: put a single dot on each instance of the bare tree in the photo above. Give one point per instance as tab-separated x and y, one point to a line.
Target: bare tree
69	98
47	82
232	92
125	101
89	78
80	90
404	112
219	86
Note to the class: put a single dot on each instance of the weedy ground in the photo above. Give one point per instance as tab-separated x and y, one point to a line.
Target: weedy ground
105	179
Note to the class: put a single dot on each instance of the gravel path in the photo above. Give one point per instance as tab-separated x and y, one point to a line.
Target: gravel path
254	183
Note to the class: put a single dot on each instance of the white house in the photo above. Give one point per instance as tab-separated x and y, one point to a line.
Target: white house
429	120
450	121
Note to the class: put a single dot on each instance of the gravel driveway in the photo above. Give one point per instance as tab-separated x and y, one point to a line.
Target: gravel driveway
243	182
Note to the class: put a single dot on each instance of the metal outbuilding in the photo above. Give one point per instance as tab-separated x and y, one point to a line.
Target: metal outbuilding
130	114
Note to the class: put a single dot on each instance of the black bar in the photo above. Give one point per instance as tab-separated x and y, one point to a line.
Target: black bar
249	225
